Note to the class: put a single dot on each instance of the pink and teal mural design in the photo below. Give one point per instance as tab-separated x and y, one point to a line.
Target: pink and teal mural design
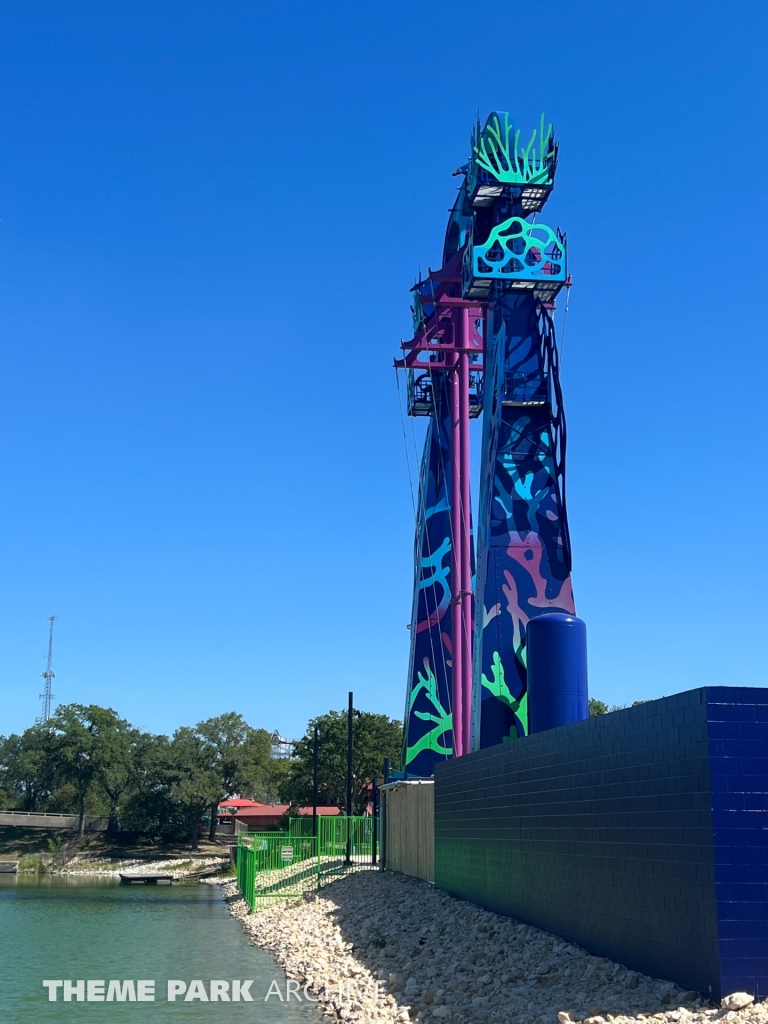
524	557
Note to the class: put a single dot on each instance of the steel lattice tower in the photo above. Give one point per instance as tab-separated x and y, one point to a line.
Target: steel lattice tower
49	675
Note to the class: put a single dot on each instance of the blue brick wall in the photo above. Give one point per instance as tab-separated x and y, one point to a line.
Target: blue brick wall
738	759
638	835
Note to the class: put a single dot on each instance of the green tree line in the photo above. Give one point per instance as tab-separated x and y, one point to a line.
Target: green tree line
375	737
599	707
89	760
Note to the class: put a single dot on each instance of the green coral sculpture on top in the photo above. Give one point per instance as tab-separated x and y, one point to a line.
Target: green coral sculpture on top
443	719
498	153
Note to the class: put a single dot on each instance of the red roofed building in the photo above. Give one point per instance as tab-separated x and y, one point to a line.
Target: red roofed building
238	804
256	817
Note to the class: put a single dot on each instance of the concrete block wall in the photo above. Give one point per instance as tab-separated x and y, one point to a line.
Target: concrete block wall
738	768
625	833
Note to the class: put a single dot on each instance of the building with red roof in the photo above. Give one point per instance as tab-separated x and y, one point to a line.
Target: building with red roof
256	817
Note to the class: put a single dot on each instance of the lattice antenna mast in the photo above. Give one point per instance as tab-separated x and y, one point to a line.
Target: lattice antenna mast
46	696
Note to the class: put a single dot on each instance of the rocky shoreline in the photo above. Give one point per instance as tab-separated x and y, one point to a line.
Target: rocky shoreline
110	867
377	946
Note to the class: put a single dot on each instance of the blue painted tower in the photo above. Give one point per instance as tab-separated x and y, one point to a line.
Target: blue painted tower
504	269
517	265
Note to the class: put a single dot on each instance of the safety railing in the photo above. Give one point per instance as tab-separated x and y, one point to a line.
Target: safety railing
273	866
286	865
346	844
303	826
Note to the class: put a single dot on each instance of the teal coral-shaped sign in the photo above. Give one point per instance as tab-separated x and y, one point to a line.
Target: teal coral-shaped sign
517	250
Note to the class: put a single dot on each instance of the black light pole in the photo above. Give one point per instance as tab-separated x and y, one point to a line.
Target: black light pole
383	819
350	712
375	823
314	786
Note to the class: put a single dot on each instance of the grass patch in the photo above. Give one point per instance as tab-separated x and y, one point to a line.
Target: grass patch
33	865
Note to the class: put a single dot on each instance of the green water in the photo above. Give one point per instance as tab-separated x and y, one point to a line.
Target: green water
59	929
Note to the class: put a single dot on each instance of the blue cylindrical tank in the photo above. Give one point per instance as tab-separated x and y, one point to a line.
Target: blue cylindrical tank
557	671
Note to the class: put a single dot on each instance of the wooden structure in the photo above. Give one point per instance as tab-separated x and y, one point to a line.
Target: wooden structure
153	879
408	826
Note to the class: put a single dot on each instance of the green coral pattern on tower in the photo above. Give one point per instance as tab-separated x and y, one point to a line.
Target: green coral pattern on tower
443	719
501	691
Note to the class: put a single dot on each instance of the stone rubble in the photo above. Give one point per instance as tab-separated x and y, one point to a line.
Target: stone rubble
737	1001
434	956
112	867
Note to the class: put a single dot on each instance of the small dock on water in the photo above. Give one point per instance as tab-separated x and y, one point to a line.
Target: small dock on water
153	879
158	878
9	867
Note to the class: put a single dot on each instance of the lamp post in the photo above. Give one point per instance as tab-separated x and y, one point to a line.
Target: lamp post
350	713
314	785
375	816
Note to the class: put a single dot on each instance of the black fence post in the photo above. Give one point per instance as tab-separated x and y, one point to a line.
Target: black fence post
350	712
383	819
314	786
375	795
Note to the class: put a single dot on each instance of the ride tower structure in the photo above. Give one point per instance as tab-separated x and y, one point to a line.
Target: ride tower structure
444	368
518	266
484	342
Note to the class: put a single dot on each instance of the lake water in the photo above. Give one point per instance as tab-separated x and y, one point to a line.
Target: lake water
57	929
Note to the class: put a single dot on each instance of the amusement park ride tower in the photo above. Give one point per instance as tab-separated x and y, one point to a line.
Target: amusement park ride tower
484	342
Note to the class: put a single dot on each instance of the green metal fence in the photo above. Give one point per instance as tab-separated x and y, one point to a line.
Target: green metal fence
345	844
303	826
285	865
276	865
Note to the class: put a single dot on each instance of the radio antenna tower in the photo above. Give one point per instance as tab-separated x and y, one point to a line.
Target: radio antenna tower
46	696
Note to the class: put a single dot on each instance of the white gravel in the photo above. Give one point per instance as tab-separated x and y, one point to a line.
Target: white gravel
112	867
434	956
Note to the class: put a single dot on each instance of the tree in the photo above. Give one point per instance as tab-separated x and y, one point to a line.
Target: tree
240	757
374	737
269	792
193	776
115	754
26	766
84	742
150	807
599	707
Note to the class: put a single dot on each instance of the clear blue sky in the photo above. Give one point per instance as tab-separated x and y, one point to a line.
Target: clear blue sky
211	214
